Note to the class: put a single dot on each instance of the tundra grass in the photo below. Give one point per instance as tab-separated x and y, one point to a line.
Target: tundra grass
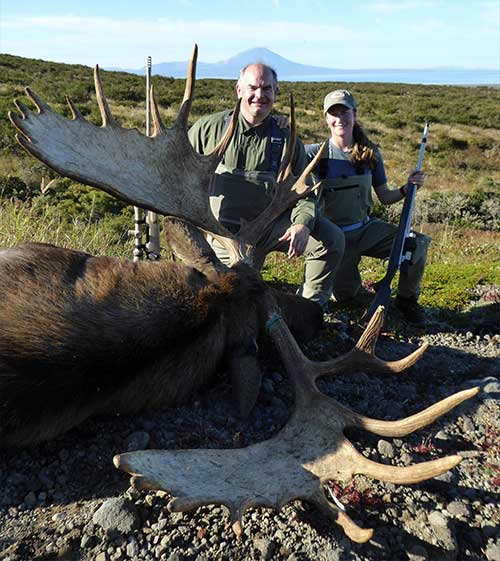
463	150
459	260
462	165
39	222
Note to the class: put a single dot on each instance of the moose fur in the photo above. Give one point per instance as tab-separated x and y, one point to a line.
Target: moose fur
83	335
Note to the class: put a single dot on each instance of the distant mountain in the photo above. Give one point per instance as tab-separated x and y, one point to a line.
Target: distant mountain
230	68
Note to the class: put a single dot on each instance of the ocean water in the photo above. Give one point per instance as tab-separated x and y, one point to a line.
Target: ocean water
445	76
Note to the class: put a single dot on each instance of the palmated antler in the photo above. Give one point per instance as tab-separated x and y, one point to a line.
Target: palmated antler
310	450
162	172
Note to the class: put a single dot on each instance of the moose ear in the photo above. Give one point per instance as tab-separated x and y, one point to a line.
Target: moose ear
189	245
303	317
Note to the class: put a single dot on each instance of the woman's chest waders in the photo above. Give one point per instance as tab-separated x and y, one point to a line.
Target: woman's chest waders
347	201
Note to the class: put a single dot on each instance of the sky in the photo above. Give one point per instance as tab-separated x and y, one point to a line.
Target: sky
359	34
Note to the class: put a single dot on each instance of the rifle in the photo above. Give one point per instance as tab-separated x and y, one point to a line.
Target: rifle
403	246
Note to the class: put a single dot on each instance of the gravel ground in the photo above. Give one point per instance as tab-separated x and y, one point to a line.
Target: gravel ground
65	500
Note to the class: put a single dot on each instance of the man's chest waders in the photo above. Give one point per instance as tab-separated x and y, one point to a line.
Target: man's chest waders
237	193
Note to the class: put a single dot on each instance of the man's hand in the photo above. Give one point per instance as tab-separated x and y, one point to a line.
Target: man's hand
281	121
298	235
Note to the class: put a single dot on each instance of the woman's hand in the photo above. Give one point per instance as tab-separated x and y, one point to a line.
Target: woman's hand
417	178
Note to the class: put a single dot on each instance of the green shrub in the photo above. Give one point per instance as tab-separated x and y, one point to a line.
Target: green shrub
450	286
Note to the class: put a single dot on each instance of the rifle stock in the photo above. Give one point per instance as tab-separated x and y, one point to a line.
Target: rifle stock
383	286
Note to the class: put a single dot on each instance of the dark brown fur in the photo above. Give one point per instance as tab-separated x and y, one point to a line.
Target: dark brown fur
83	335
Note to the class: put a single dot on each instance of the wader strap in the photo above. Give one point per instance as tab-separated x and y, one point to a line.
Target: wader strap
276	146
276	141
356	225
322	169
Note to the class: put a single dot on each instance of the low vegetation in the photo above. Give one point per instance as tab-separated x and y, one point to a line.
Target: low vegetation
459	208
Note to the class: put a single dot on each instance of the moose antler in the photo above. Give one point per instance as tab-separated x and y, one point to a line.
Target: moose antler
310	450
125	163
162	172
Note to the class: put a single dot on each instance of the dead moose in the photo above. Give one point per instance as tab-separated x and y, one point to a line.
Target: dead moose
83	335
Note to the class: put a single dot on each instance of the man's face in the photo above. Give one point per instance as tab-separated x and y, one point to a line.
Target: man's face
257	91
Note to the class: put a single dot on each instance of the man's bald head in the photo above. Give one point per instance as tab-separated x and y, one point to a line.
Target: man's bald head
257	88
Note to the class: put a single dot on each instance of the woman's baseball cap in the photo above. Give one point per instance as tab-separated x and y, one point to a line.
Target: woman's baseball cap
339	97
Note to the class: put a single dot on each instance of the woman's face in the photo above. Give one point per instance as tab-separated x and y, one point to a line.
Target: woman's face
340	121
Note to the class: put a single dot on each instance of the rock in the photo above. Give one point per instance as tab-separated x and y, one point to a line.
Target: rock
493	552
117	514
417	553
30	499
442	435
87	541
489	531
446	477
442	531
265	547
138	440
492	387
468	425
406	458
458	509
132	549
332	554
385	449
436	519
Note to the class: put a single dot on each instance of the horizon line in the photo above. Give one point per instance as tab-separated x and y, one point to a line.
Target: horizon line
125	69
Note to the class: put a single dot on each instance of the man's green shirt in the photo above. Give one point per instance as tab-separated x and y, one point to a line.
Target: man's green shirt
250	150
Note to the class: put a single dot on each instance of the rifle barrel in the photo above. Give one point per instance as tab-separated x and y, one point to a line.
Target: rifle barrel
383	287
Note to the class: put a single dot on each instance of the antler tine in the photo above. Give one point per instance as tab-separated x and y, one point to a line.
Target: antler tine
182	117
285	195
362	356
23	109
38	101
351	529
287	191
300	187
286	164
72	107
414	422
221	147
158	126
403	475
107	117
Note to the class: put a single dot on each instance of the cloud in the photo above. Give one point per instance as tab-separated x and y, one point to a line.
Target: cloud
423	41
490	14
81	39
397	6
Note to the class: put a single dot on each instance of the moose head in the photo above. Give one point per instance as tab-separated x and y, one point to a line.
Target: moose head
82	335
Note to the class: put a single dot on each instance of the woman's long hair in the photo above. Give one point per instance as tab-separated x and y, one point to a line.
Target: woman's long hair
364	151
